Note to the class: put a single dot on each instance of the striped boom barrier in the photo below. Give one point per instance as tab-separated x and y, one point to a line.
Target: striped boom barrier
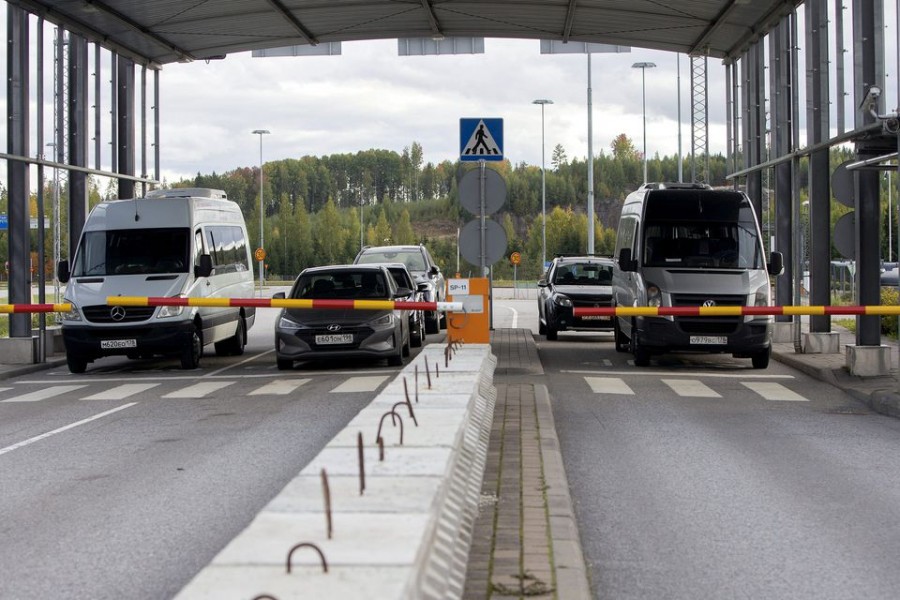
733	311
34	308
284	303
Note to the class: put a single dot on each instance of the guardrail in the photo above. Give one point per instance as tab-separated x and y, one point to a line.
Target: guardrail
732	311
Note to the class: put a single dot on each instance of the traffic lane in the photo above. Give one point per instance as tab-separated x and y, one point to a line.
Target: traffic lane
736	496
133	505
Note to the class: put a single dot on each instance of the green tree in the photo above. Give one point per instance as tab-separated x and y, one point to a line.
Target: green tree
403	232
329	235
559	158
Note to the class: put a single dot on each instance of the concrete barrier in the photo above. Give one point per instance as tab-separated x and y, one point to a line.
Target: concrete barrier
408	534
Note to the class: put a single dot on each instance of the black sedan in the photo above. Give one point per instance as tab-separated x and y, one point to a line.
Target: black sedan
574	281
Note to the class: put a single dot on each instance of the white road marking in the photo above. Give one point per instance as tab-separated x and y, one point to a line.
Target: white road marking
774	391
360	384
693	388
3	389
279	387
199	390
641	373
38	438
44	394
609	385
120	392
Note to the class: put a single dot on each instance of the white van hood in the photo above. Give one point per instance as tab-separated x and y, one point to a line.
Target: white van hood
88	291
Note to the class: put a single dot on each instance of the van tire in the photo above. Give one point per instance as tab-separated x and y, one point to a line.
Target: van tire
76	365
190	356
284	364
761	359
433	323
641	354
552	333
234	346
621	340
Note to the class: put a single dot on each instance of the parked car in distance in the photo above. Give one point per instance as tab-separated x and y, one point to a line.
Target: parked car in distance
423	269
570	281
319	333
404	279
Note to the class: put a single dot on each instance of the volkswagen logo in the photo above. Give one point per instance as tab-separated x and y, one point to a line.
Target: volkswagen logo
709	303
333	327
117	313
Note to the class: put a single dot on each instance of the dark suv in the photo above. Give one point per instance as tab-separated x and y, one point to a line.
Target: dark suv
570	281
420	264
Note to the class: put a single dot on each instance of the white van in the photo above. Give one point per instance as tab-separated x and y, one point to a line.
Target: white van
690	245
180	243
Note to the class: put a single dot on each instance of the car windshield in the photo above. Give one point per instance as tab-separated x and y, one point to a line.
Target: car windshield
133	251
341	285
583	274
413	259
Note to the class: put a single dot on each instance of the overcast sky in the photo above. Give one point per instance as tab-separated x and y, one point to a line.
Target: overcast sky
369	97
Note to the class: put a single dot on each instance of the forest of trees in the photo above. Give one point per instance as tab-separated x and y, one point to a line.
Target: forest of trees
319	210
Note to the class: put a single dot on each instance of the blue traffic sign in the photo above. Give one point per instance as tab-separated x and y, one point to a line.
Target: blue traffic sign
4	223
480	139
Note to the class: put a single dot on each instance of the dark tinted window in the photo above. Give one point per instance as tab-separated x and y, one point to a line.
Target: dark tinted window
341	285
133	251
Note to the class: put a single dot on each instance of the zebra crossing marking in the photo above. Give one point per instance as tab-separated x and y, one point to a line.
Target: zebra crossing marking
774	391
279	387
360	384
199	390
693	388
609	385
44	394
120	392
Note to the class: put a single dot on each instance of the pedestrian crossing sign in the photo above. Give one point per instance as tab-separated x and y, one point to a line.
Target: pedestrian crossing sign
480	139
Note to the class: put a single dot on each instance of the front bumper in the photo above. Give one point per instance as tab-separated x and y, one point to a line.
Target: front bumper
742	338
86	341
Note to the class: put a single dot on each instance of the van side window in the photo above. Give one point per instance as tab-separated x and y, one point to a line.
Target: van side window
228	248
625	237
198	246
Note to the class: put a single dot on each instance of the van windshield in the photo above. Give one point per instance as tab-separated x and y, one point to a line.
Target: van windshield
717	231
133	251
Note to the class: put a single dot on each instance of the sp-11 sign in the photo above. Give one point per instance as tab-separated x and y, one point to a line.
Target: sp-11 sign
458	287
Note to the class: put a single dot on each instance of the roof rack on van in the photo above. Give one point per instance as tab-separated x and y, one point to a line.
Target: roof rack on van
187	193
674	185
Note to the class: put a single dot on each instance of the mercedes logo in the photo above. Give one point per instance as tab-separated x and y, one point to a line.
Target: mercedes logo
709	303
117	313
333	327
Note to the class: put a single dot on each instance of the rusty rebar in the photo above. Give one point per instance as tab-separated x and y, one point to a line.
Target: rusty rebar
428	374
327	492
411	414
308	545
393	414
362	463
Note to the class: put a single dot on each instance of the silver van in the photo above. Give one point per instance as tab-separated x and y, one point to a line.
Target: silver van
691	245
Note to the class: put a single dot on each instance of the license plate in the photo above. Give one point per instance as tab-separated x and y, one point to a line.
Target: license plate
594	318
334	338
720	340
110	344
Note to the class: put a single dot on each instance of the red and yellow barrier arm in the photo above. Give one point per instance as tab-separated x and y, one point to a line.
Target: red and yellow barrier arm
732	311
34	308
283	303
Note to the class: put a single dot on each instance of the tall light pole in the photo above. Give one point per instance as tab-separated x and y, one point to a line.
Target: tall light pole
643	66
543	102
262	212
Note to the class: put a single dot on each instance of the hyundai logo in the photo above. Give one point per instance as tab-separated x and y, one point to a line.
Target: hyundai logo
709	303
117	313
333	327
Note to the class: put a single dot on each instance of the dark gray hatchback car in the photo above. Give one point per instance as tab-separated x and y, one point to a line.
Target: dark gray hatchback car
324	332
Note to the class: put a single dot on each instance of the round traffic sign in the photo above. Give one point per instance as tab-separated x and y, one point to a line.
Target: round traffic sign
515	258
470	191
260	254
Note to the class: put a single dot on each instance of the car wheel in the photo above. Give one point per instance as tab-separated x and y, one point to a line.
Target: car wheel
76	364
284	364
396	359
761	359
416	336
541	329
433	323
621	340
551	333
190	356
234	346
641	354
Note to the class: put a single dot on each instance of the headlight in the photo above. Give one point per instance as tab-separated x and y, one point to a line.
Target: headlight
654	296
762	296
561	300
387	319
72	315
166	312
285	322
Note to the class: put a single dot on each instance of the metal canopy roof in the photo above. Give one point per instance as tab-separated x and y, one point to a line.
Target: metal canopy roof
164	31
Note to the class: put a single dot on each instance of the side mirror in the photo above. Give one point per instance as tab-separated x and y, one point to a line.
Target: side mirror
626	263
776	263
423	287
62	271
434	270
204	269
542	282
278	296
402	292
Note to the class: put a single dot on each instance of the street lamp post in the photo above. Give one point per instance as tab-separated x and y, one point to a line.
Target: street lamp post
262	212
643	66
543	102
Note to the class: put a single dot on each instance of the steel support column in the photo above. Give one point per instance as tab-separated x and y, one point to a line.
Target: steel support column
125	125
79	137
817	131
756	122
780	84
17	137
868	70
